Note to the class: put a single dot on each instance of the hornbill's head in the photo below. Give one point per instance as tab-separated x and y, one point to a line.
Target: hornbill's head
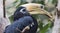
20	12
32	8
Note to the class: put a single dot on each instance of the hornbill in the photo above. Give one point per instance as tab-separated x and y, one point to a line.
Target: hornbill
23	21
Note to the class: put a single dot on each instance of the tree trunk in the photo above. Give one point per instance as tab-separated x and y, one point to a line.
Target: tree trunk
3	21
56	27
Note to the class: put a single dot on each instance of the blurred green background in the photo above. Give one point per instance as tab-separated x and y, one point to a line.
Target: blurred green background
44	22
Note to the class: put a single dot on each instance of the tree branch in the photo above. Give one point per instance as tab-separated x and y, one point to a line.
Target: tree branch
4	14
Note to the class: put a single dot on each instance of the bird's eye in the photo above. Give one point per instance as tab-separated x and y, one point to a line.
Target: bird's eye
23	10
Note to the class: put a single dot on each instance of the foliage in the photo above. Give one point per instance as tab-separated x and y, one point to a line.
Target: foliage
40	18
54	1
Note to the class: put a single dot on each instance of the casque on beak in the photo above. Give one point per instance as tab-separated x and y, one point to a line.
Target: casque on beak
37	10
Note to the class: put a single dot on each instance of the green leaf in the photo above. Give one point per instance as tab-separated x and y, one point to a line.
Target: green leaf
45	28
11	18
54	2
15	1
40	25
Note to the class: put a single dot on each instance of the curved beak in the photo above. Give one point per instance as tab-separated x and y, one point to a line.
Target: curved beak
38	10
41	12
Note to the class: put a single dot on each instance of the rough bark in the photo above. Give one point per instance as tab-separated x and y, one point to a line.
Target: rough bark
3	21
56	27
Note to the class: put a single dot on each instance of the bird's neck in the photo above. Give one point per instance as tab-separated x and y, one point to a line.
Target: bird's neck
17	18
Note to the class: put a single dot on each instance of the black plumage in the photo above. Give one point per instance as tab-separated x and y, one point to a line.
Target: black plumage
22	19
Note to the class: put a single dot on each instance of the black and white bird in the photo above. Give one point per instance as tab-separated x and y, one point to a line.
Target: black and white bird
23	21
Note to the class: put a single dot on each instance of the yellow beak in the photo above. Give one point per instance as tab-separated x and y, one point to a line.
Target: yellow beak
38	10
